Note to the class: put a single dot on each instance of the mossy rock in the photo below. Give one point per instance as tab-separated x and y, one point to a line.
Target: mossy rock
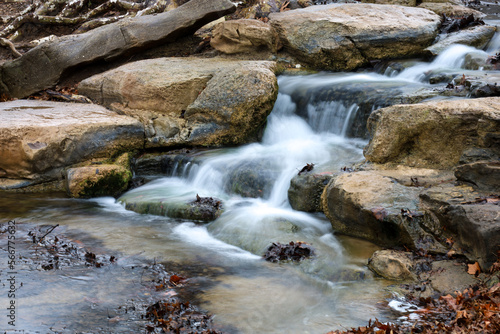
97	180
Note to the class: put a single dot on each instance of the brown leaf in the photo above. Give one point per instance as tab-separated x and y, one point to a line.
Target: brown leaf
474	269
379	213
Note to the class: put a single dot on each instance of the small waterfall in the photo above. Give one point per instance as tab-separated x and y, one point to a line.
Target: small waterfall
331	116
494	45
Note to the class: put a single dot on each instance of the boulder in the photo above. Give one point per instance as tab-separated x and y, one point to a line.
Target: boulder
468	216
450	9
392	265
43	66
375	207
433	134
243	35
190	101
483	174
97	180
478	37
305	191
253	178
346	36
39	138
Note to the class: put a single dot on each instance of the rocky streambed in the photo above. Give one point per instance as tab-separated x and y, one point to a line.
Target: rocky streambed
246	146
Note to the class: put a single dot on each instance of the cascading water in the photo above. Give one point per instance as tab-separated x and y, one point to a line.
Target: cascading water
313	121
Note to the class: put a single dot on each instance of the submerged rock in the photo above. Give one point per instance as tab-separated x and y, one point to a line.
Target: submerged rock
433	134
190	101
346	36
294	251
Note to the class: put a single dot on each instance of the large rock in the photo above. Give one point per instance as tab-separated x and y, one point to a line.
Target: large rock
305	191
190	101
347	36
243	35
38	138
478	37
433	134
43	66
373	206
460	212
450	9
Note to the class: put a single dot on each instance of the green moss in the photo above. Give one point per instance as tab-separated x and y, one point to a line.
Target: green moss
111	184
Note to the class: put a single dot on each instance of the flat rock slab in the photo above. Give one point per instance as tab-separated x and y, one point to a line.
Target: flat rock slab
43	66
347	36
190	101
433	134
38	138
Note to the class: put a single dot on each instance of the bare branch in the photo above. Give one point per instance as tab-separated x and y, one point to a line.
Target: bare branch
10	45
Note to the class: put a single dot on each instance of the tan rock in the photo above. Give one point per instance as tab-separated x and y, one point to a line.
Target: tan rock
190	101
433	134
38	138
97	180
243	35
450	9
409	3
347	36
392	265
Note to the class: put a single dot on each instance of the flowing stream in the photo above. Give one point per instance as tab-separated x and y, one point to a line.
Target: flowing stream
316	119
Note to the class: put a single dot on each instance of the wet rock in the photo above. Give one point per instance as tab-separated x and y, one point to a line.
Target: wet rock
174	163
409	3
43	66
203	209
456	211
347	36
478	37
477	154
483	174
243	35
39	138
294	251
97	181
305	191
351	275
392	265
433	134
190	101
260	9
375	207
480	83
250	178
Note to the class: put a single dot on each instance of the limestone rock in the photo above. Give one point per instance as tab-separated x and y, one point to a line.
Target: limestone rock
305	191
392	265
478	37
433	134
347	36
456	210
190	101
97	180
374	207
243	35
39	138
483	174
43	66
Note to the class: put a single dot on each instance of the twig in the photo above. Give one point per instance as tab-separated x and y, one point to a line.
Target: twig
50	230
10	45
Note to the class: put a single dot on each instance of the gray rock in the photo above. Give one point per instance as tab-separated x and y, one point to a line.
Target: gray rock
483	174
475	224
305	191
43	66
97	180
39	138
347	36
190	101
478	37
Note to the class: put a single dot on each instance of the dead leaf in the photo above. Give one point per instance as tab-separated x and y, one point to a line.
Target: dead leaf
474	269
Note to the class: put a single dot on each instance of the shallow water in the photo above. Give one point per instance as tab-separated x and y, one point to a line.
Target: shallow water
222	259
